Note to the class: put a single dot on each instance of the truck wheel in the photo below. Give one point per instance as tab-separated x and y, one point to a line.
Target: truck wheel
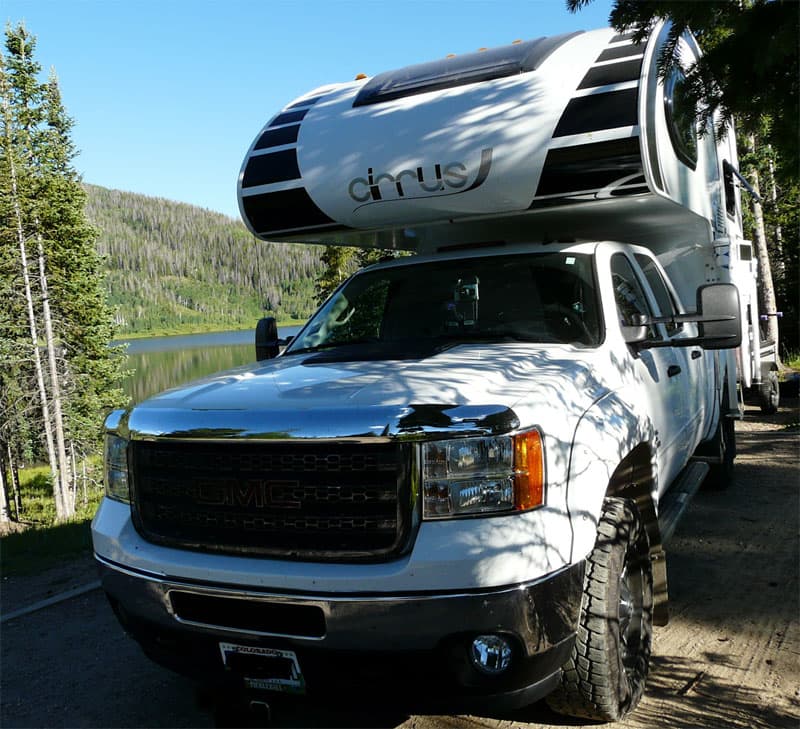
605	676
769	394
720	474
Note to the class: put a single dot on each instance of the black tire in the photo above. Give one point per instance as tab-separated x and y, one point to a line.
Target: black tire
720	475
769	394
604	678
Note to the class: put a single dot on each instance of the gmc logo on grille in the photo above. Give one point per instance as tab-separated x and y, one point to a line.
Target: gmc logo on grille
253	493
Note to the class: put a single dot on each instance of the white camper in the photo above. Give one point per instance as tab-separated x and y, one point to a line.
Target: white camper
565	137
453	487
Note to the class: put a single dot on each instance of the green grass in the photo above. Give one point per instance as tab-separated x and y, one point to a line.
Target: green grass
44	543
38	549
792	361
195	328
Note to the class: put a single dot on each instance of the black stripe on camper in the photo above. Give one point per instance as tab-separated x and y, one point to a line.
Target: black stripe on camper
612	73
288	117
599	111
612	54
589	166
264	169
284	210
277	137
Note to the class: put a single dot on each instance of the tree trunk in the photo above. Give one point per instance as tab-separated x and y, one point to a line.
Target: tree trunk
780	267
58	494
766	289
37	357
14	471
65	472
5	512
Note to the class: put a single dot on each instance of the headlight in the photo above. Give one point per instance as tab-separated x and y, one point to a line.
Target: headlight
116	468
469	476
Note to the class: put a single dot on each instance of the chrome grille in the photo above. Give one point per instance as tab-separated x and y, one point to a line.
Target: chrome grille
315	500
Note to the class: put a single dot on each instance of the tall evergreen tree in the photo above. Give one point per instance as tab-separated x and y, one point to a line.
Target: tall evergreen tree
92	371
60	271
16	135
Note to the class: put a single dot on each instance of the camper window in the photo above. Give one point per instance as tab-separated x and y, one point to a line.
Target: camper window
680	118
459	70
730	190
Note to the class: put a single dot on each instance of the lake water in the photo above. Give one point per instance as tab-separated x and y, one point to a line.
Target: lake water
158	363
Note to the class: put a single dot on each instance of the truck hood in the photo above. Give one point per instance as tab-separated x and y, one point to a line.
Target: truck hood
469	388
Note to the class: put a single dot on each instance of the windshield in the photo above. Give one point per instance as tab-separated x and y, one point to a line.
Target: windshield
542	297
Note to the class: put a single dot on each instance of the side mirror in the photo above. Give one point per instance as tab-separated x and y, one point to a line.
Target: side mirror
267	339
719	316
637	332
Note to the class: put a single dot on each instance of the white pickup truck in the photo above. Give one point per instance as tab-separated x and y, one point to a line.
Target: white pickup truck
453	486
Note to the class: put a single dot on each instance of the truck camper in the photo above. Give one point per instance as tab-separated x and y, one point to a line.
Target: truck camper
453	487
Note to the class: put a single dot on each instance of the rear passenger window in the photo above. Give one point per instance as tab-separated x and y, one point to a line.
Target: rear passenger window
629	295
666	303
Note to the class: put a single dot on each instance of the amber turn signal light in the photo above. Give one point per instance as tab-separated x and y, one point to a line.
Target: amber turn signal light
528	470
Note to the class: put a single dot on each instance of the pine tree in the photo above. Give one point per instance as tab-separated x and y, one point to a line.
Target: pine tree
339	262
92	370
19	99
57	273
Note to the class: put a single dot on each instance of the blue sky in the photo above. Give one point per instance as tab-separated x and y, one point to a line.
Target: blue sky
168	94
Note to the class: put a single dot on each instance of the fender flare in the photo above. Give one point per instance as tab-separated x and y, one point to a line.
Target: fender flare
611	454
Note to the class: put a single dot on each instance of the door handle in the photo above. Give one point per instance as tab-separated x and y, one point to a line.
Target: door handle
696	354
673	370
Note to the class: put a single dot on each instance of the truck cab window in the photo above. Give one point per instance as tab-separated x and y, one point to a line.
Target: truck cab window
664	299
549	298
628	294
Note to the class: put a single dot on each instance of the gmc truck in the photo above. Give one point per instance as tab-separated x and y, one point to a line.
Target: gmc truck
453	486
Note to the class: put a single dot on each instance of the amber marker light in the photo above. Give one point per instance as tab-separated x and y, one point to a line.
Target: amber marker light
528	470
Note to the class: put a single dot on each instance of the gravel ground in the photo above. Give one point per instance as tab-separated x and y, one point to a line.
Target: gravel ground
730	656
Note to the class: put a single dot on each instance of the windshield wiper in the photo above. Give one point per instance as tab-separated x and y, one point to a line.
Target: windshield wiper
334	345
488	336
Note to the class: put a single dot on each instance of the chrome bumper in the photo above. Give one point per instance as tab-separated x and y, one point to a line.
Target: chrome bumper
540	614
180	625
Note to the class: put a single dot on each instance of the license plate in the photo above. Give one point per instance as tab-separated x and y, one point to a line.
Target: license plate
266	669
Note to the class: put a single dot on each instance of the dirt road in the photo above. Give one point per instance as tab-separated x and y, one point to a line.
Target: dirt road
730	656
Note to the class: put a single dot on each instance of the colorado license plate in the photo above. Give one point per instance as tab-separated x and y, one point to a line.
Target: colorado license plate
267	669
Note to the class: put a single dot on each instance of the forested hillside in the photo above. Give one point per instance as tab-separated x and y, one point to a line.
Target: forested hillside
171	265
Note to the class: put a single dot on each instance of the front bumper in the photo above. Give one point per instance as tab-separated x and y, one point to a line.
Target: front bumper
413	646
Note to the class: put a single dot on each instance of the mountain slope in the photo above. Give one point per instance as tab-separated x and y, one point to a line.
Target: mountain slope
170	265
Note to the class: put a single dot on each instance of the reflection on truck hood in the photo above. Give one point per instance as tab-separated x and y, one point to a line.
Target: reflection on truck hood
468	385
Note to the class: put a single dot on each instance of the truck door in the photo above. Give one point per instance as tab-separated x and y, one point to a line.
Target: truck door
661	372
693	360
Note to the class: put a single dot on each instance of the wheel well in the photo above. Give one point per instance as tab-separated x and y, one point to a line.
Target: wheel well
634	479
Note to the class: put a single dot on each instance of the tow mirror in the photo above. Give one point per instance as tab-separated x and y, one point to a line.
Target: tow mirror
719	316
267	345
